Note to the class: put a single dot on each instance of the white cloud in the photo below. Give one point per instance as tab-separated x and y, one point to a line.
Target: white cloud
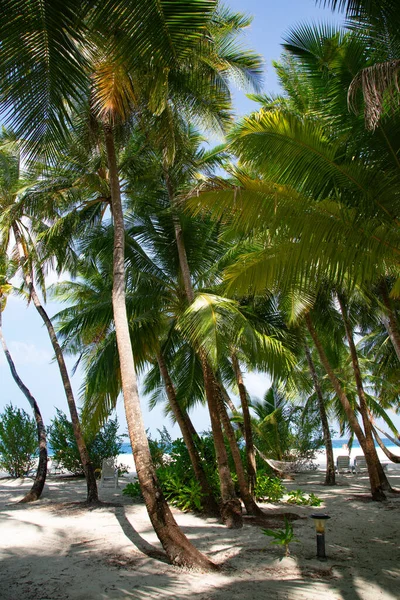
26	354
256	383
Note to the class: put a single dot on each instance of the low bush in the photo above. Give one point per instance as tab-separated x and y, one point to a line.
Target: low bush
104	444
18	442
183	492
133	490
301	499
269	488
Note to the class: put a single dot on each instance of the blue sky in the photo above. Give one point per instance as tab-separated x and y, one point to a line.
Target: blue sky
26	337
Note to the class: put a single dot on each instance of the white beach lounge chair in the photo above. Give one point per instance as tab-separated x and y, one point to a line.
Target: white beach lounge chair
360	464
109	472
56	468
343	464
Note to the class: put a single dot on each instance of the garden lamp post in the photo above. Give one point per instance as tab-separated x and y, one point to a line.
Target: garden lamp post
319	520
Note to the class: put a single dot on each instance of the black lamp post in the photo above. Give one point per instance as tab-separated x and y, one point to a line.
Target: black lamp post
319	520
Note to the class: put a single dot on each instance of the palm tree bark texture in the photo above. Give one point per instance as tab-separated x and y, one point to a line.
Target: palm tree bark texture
177	547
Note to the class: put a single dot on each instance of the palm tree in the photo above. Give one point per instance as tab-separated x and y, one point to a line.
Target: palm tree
156	37
247	429
87	329
317	186
378	23
377	479
330	478
14	199
41	472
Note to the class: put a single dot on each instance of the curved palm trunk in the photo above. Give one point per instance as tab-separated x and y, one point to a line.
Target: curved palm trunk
231	509
248	432
393	457
373	462
92	494
387	435
330	478
248	500
390	320
177	547
41	472
208	502
376	487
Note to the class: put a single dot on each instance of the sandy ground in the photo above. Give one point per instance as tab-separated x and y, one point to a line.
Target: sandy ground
55	549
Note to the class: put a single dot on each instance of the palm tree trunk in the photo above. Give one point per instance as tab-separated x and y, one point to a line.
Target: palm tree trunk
231	510
369	438
248	500
208	502
92	494
229	403
41	472
177	547
390	320
248	432
393	457
376	488
330	478
387	435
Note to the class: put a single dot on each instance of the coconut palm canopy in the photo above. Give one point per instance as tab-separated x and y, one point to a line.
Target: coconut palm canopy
277	251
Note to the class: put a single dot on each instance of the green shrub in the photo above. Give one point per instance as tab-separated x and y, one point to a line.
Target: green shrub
175	473
183	492
132	490
314	500
298	497
160	448
269	488
104	444
18	441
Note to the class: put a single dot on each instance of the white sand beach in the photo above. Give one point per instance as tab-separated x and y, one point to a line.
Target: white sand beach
56	549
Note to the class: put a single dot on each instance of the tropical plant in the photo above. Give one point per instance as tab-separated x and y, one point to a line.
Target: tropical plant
106	443
153	54
299	497
282	537
269	488
184	493
378	23
314	500
288	145
133	490
18	441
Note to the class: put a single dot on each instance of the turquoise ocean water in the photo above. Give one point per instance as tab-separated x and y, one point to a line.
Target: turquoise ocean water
338	443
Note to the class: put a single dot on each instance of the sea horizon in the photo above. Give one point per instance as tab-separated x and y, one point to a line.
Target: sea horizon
336	443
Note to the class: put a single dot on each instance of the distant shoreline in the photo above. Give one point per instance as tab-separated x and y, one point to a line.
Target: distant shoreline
320	459
336	443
